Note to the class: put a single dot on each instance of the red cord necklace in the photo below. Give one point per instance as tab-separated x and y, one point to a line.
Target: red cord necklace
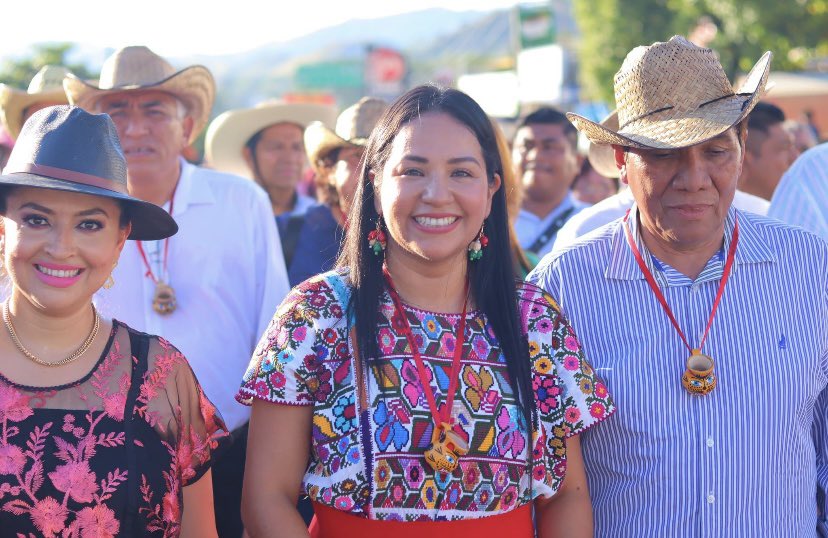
163	300
446	445
698	377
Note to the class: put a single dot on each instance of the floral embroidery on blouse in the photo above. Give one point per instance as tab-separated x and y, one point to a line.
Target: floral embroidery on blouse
370	461
65	456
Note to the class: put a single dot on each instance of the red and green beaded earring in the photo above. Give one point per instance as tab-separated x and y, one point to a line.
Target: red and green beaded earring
376	238
476	247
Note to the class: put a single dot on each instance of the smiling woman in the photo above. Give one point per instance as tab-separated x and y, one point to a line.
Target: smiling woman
110	420
400	390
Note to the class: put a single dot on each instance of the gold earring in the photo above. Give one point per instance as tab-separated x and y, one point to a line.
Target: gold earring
110	281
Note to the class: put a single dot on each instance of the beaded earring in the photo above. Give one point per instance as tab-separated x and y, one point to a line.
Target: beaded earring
376	238
476	247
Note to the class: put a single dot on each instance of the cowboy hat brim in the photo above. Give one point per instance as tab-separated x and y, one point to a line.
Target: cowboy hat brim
149	221
193	85
228	134
602	156
14	102
320	140
662	130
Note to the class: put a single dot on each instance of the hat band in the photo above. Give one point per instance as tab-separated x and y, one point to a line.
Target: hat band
710	102
68	175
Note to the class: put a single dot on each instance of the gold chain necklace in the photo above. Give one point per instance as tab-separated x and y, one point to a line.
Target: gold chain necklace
29	355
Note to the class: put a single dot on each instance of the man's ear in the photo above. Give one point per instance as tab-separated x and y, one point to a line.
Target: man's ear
620	161
187	128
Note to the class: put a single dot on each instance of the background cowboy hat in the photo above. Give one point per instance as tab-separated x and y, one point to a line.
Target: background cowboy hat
228	134
138	68
675	94
45	87
353	127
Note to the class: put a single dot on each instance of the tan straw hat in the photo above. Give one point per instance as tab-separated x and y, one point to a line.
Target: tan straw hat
138	68
229	133
45	87
602	156
674	94
353	127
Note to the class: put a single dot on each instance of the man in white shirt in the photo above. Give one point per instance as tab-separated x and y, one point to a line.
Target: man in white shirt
802	196
213	287
266	143
546	162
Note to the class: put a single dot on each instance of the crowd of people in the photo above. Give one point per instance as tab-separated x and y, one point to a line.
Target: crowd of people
396	320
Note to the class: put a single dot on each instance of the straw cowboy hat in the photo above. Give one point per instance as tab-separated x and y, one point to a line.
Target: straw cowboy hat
138	68
228	134
674	94
353	127
67	149
45	87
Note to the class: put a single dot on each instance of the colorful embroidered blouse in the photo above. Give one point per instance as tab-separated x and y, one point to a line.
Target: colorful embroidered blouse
109	454
370	461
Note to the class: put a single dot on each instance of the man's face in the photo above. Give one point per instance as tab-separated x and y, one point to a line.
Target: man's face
545	161
767	160
152	129
279	156
683	195
345	175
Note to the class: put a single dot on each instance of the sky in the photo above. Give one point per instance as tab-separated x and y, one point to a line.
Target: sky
191	27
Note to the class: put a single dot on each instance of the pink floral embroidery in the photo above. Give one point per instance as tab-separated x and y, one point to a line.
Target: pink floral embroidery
49	516
97	522
12	460
76	479
14	405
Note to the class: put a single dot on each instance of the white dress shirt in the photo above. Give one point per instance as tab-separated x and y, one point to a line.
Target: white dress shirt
227	269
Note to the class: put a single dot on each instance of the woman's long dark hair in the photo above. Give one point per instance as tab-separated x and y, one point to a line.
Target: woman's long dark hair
492	278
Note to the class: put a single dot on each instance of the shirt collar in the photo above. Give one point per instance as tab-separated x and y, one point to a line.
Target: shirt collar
186	194
623	266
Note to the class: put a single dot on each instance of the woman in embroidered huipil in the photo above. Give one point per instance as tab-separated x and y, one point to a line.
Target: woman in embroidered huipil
418	389
104	431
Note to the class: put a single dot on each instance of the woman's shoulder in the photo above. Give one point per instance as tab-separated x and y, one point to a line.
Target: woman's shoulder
152	352
529	294
324	295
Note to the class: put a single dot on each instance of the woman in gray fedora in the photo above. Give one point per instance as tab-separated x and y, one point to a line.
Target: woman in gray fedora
104	431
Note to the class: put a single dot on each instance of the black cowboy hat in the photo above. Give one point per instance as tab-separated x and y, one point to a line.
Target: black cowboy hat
68	149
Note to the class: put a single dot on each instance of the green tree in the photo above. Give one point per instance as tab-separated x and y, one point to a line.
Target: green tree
19	72
794	30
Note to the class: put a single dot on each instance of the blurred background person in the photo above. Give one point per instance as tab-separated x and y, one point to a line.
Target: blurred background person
769	151
590	186
311	241
802	135
546	161
802	195
524	260
6	145
266	144
45	89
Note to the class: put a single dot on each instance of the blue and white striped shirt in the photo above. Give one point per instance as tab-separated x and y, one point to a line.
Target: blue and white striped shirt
801	197
748	459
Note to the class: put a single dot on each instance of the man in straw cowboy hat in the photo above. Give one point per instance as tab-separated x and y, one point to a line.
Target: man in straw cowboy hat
45	89
602	159
266	144
212	288
708	324
311	240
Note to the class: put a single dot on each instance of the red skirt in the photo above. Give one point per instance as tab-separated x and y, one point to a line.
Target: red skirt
332	523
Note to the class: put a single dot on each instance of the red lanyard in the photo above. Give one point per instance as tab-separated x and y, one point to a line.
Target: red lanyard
149	272
454	380
651	281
